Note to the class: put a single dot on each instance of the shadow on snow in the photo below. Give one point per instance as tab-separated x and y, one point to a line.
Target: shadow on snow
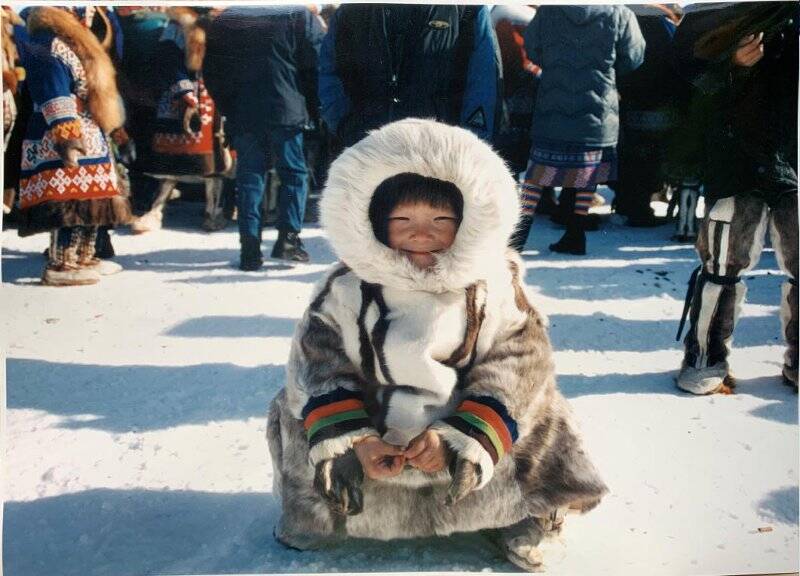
121	532
136	398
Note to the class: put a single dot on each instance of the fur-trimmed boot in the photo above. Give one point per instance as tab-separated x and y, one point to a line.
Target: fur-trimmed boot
523	542
87	254
63	268
148	222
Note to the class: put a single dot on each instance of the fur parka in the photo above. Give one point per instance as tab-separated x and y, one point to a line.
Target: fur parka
105	104
378	328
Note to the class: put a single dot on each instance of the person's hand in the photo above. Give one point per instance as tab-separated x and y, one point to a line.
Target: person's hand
427	452
188	113
379	459
750	50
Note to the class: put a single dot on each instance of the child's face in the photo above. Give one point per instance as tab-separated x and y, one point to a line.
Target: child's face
419	230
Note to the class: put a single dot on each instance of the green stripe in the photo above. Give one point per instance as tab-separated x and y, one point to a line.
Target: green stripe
484	427
334	418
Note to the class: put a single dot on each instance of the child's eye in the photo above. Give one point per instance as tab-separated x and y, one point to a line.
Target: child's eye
398	219
444	219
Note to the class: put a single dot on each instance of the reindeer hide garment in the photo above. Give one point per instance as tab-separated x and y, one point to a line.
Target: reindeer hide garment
380	332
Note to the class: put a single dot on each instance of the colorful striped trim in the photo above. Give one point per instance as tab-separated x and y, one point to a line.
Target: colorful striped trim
332	414
488	421
530	196
583	201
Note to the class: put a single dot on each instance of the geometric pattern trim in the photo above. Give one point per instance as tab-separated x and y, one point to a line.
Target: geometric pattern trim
91	181
69	130
38	152
64	53
59	108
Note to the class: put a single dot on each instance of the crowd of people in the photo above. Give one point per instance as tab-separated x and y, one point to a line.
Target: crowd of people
440	132
101	104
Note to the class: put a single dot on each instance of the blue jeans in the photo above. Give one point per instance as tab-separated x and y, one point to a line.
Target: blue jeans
285	146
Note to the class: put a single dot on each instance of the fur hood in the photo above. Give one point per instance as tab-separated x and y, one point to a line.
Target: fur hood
193	33
491	204
105	104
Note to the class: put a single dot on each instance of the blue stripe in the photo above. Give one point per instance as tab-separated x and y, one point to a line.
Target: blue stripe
55	164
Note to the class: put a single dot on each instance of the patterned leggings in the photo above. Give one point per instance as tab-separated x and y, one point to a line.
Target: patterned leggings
532	193
72	245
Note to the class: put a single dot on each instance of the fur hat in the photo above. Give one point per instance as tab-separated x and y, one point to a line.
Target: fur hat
428	148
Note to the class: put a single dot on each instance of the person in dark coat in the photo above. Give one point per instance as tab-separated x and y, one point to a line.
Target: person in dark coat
381	63
745	57
261	69
650	98
581	50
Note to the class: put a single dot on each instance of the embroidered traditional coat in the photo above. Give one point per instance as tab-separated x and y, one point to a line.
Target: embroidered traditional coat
175	151
57	81
387	347
73	89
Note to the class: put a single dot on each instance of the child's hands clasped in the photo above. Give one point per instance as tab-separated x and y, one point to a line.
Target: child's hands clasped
381	460
427	452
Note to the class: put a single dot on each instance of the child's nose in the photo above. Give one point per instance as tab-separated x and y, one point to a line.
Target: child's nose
423	230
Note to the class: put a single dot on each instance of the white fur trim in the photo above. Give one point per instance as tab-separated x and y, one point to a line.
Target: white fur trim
491	204
333	447
468	449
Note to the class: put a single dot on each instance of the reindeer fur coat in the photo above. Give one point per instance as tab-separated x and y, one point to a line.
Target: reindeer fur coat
464	328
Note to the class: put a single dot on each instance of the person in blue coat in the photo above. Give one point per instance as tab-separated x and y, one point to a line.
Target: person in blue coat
380	63
581	50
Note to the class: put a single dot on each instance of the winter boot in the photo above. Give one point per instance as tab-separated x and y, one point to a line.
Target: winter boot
788	313
251	258
62	268
148	222
86	254
523	542
715	379
65	274
687	196
566	205
289	247
102	247
640	214
574	239
547	203
714	303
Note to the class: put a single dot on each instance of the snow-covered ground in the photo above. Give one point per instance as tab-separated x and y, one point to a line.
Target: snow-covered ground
134	440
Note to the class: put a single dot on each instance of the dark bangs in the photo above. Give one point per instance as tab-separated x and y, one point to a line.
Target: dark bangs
410	188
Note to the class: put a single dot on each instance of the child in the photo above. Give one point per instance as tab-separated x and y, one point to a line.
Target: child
420	363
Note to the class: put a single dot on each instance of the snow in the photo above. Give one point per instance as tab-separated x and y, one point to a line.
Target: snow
135	422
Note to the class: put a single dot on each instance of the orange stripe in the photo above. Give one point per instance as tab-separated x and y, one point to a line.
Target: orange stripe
492	418
334	408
